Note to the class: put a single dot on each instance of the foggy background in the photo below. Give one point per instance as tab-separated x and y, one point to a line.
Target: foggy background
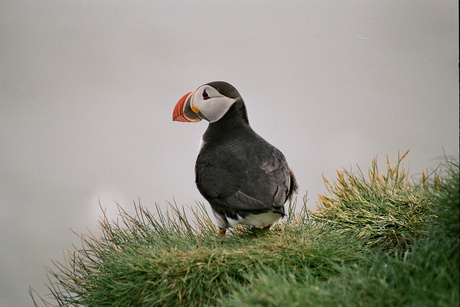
88	87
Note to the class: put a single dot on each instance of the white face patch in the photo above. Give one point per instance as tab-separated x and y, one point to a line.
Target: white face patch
211	104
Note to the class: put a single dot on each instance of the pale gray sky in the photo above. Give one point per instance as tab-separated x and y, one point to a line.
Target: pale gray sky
88	87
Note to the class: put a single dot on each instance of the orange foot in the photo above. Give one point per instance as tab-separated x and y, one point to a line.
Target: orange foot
221	232
267	227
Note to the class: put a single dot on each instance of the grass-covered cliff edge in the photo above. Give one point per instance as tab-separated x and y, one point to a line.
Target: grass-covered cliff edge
377	239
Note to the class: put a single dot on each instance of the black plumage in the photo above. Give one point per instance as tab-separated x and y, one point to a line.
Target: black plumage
237	171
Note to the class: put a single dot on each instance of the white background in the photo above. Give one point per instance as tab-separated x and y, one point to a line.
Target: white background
87	90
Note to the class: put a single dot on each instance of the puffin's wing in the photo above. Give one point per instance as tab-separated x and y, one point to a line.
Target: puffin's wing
258	180
223	184
280	180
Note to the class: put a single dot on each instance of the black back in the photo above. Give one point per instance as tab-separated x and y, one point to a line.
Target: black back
237	171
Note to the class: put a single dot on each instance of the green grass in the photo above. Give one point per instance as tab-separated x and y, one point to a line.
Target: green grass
377	240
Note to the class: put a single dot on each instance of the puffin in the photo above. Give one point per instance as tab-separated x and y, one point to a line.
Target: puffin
245	179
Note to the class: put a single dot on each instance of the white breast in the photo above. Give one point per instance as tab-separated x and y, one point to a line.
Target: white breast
256	220
201	145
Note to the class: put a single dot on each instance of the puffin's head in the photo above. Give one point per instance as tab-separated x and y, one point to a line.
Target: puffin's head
210	102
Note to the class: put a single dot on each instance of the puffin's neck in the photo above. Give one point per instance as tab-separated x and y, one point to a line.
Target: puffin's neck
235	118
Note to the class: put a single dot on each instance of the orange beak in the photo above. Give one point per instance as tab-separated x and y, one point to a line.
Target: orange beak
183	110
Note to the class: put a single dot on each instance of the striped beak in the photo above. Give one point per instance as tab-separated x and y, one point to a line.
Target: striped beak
183	110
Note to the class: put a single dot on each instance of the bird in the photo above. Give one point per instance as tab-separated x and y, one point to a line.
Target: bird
245	179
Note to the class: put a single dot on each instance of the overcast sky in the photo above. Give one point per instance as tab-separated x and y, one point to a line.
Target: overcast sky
88	87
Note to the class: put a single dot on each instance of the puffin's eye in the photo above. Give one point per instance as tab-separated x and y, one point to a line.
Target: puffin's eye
205	95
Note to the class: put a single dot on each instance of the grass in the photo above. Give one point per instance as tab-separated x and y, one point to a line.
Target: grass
387	209
384	240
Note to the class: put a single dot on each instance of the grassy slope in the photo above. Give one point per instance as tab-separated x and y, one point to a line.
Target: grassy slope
378	240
